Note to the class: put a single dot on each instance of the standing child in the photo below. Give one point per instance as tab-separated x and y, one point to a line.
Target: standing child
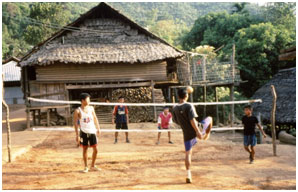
249	121
120	117
85	119
164	122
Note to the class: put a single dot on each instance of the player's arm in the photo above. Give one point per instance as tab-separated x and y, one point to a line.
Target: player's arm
158	122
192	117
95	119
76	125
261	129
170	122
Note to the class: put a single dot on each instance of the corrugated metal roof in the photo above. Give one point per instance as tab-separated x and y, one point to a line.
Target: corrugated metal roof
11	71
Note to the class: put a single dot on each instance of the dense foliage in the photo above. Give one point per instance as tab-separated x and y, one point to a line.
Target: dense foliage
258	37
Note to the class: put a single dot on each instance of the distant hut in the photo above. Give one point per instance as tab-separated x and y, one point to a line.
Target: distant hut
285	85
100	51
12	81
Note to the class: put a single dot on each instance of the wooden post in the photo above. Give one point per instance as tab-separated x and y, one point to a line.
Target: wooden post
176	96
26	92
39	116
216	99
191	95
169	94
153	100
223	115
233	63
232	106
7	123
48	117
34	117
273	119
205	98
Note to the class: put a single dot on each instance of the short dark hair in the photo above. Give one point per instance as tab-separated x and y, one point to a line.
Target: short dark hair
120	97
248	107
182	92
166	107
84	96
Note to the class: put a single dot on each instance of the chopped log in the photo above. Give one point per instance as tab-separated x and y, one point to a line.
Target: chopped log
286	138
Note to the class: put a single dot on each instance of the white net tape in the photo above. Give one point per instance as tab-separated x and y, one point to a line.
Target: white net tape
129	130
144	104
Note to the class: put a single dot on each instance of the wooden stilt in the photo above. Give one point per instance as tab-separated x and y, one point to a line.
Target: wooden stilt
48	117
204	98
153	101
217	115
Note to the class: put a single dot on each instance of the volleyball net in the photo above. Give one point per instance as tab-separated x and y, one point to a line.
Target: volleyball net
137	111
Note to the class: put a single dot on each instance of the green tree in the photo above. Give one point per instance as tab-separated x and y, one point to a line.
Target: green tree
257	50
240	8
280	13
215	29
48	14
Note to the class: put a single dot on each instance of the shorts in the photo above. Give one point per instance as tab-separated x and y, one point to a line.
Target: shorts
159	127
190	143
121	126
205	123
250	140
88	139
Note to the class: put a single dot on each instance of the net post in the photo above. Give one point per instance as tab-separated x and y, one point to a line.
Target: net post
273	119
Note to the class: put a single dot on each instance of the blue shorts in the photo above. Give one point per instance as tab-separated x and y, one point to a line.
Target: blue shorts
250	140
190	143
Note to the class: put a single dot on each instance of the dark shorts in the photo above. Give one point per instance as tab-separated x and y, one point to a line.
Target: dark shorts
88	139
159	127
121	126
250	140
190	143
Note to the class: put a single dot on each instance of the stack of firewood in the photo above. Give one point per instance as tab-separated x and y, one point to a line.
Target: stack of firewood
55	119
139	95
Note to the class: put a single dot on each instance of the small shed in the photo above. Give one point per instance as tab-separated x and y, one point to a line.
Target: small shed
12	81
285	85
100	51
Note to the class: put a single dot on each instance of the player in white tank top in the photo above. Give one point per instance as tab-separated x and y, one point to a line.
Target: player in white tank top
85	119
87	124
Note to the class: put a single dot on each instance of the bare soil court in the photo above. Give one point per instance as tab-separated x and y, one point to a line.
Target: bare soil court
217	163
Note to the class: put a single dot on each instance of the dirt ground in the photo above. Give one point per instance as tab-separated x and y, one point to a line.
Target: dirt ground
217	163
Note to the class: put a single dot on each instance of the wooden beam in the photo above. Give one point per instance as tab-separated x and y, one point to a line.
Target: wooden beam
48	107
287	56
47	94
143	84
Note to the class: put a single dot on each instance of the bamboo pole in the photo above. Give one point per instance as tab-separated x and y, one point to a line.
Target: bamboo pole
273	119
7	123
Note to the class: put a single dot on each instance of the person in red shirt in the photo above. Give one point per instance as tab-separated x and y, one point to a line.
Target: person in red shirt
164	122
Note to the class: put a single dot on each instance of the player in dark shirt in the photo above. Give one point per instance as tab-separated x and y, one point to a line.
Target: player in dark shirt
250	122
184	114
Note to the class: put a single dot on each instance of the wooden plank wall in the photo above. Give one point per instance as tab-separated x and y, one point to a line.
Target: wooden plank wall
54	91
102	72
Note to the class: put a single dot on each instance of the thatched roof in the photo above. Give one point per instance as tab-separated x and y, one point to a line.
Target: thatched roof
105	36
285	85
